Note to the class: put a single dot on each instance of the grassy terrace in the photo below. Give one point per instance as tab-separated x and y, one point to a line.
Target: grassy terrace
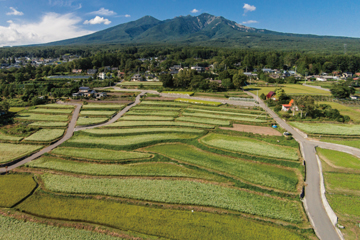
49	124
82	121
118	132
250	146
97	113
204	120
328	128
45	135
153	113
179	92
5	137
163	103
158	124
351	143
291	89
225	117
178	192
340	159
352	112
145	118
227	113
102	107
56	106
160	108
202	102
41	117
265	175
98	154
51	111
11	152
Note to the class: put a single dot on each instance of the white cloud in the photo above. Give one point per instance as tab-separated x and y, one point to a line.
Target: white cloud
127	15
51	27
104	12
248	8
194	10
250	22
15	12
62	3
98	20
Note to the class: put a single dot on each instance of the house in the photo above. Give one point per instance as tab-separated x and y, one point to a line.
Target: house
100	94
149	75
292	73
77	71
91	71
121	74
270	95
354	97
84	92
267	70
103	76
198	69
290	106
347	75
174	72
321	79
136	78
357	74
114	68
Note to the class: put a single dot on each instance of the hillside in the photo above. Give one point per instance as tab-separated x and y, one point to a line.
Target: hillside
208	30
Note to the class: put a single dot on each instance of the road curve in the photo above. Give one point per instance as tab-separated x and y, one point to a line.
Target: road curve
67	136
314	207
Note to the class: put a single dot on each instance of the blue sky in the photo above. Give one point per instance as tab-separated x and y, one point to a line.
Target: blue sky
28	22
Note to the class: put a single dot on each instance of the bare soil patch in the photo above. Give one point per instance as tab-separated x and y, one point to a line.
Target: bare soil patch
253	129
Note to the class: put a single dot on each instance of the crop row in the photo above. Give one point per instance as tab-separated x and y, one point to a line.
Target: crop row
119	132
144	118
82	121
55	106
152	108
41	117
11	152
216	116
97	113
204	120
163	103
45	135
327	128
153	113
157	124
193	101
49	124
225	112
51	111
102	107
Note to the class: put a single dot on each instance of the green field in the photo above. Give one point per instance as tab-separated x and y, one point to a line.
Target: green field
250	146
225	117
265	175
327	128
157	124
45	135
14	229
144	118
140	83
9	138
128	140
11	152
82	121
41	117
98	154
229	109
202	102
151	108
54	105
97	113
153	113
138	169
51	111
345	204
15	187
291	89
343	182
118	132
350	143
227	113
102	107
178	92
204	120
353	113
168	223
49	124
340	159
163	103
16	109
178	192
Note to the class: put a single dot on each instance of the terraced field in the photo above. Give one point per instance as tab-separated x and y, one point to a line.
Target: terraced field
85	121
45	135
42	117
11	152
51	111
166	175
327	128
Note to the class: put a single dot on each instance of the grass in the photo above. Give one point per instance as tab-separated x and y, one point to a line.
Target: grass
9	138
177	192
353	113
11	152
342	181
163	103
102	106
49	124
153	113
128	140
158	123
115	132
220	111
15	229
45	135
193	101
82	121
178	92
328	128
204	120
166	223
151	108
146	118
345	204
340	159
291	89
351	143
98	154
16	109
51	111
140	83
225	117
54	105
41	117
143	169
15	187
250	146
97	113
265	175
228	109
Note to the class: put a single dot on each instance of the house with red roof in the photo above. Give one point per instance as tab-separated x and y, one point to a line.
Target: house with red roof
270	95
291	106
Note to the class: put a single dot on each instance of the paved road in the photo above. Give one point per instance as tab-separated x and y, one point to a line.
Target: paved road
317	87
68	135
323	227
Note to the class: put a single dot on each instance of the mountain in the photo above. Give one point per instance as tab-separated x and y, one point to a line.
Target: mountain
206	30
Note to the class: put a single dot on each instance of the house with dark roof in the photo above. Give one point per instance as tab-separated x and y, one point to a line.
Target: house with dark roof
137	78
270	95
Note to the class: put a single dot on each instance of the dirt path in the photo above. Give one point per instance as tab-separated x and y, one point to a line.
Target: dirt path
253	129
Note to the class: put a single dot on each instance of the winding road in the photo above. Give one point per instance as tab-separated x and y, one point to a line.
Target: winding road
313	202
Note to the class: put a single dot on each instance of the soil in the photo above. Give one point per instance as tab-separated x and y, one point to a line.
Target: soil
254	129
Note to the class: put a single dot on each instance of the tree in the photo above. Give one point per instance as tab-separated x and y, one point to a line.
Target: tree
262	96
306	105
167	80
239	80
341	90
4	107
227	83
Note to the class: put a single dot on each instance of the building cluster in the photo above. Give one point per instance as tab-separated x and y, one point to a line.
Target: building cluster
88	93
334	76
